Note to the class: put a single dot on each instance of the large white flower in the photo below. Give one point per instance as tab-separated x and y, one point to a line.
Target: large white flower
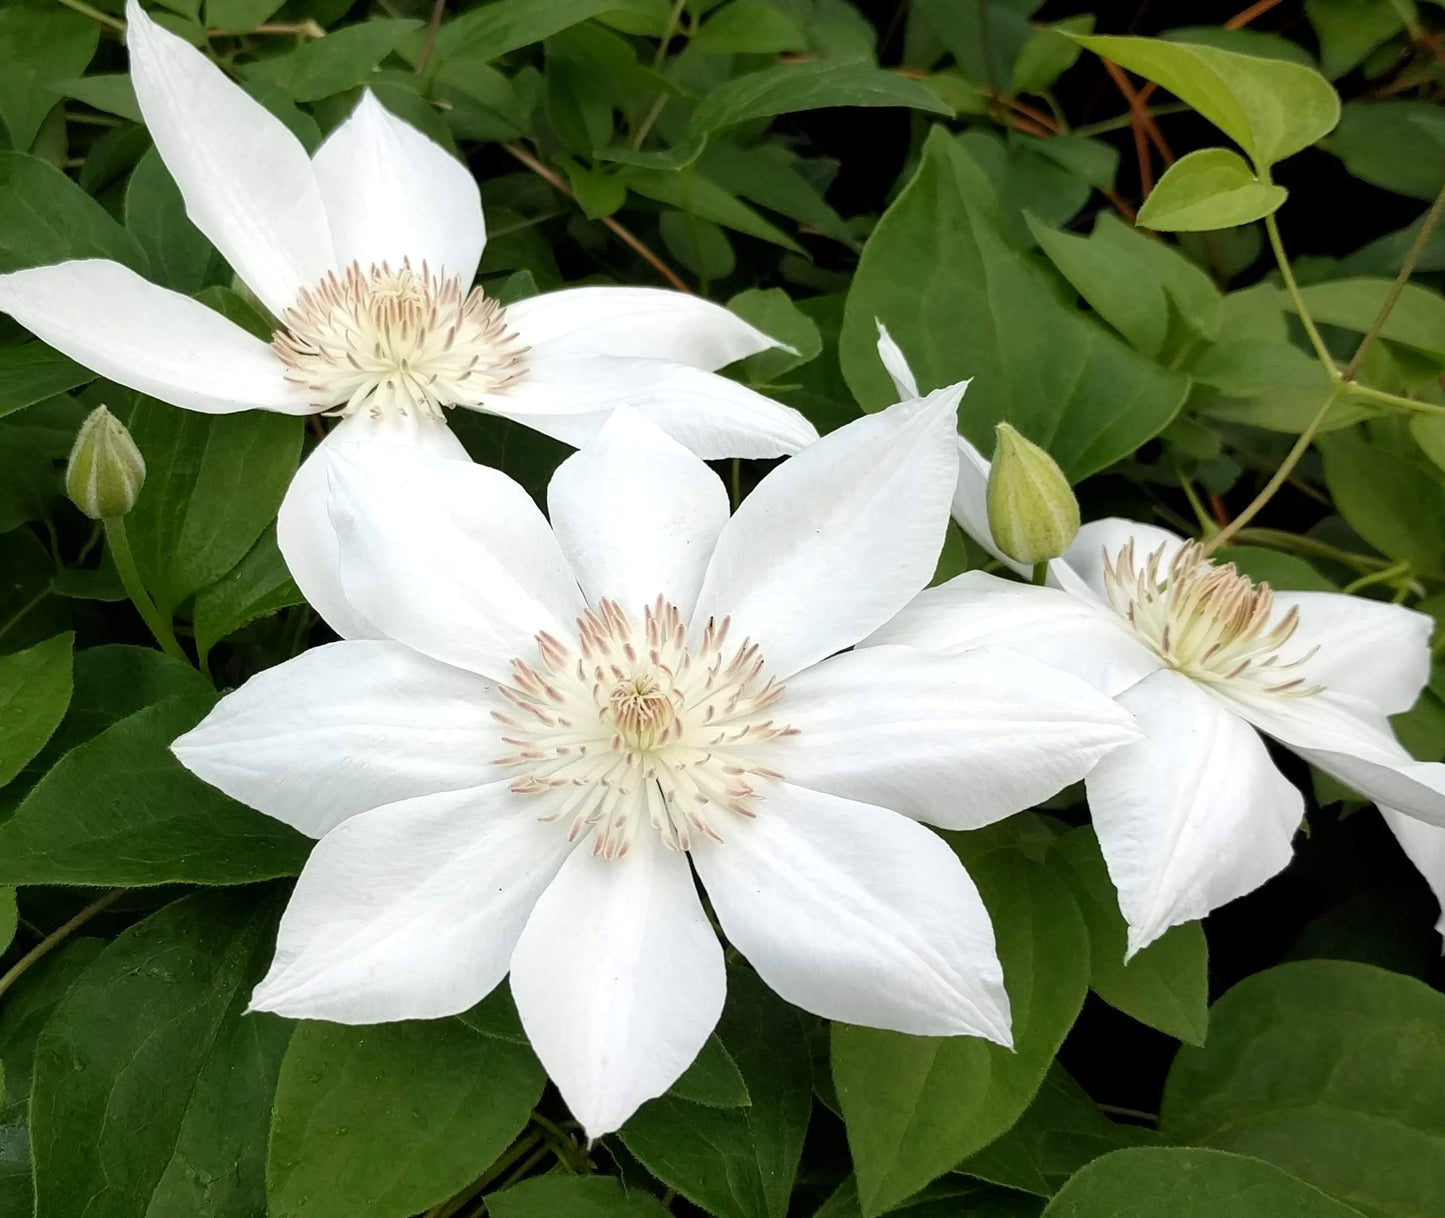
1196	814
366	254
562	722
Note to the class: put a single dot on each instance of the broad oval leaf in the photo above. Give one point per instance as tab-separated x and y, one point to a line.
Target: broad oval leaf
574	1197
1209	189
48	218
34	692
1269	107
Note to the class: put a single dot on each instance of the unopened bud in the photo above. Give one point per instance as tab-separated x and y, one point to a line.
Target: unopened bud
106	470
1032	512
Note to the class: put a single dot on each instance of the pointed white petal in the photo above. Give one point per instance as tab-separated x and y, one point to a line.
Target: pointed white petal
391	194
1349	738
835	541
649	323
247	181
569	396
1192	816
956	740
303	526
1372	649
1098	537
897	364
345	728
411	910
618	978
450	558
858	914
975	609
1425	846
105	316
637	515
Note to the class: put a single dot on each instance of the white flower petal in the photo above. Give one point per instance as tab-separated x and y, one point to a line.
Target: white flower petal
975	609
247	182
1425	846
896	363
569	396
127	329
345	728
637	515
1372	649
304	531
1086	556
650	323
1349	738
957	740
618	978
833	542
450	558
391	195
411	910
1192	816
858	914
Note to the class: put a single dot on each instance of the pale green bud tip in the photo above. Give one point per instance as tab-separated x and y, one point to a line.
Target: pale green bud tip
1031	508
106	470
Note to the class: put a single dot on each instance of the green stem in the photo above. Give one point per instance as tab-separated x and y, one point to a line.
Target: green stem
160	627
57	937
1041	574
1281	475
1127	119
1388	575
15	617
1311	547
737	483
1205	521
95	14
658	102
1393	400
1292	287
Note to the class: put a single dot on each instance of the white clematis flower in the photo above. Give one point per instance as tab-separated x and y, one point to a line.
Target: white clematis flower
562	723
1196	814
366	253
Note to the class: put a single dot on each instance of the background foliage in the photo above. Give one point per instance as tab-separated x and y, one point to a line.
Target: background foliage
971	171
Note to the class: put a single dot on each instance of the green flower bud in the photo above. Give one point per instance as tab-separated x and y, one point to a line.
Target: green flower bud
1031	508
106	470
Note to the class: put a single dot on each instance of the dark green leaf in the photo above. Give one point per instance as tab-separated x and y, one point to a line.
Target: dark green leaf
1326	1068
1210	188
112	93
383	1121
48	218
152	1090
342	60
34	692
1349	30
573	1197
750	27
1399	145
490	30
257	585
38	47
180	256
690	191
712	1079
1388	491
32	372
119	809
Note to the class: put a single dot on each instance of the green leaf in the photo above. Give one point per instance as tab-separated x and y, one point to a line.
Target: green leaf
963	302
1348	30
917	1106
9	923
256	586
32	372
1167	984
573	1197
737	1162
1329	1069
1417	319
1388	491
38	47
180	256
690	191
1058	1133
152	1089
774	313
750	27
1049	54
119	809
1189	1183
491	30
384	1121
1208	189
1284	572
239	14
213	484
814	85
342	60
48	218
712	1079
1270	108
34	692
1399	145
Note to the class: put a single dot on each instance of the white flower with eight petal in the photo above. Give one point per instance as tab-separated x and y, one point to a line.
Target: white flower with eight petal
1196	814
366	254
560	719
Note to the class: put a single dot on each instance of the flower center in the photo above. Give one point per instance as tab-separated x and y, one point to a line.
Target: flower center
1209	622
402	341
635	728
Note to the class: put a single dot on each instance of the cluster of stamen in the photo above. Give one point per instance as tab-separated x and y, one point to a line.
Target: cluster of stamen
404	341
1208	621
638	728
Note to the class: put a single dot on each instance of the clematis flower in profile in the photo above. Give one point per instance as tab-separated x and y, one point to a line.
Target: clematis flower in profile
1196	814
563	722
365	253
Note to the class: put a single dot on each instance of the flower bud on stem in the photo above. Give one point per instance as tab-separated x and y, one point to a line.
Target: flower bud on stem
1032	512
